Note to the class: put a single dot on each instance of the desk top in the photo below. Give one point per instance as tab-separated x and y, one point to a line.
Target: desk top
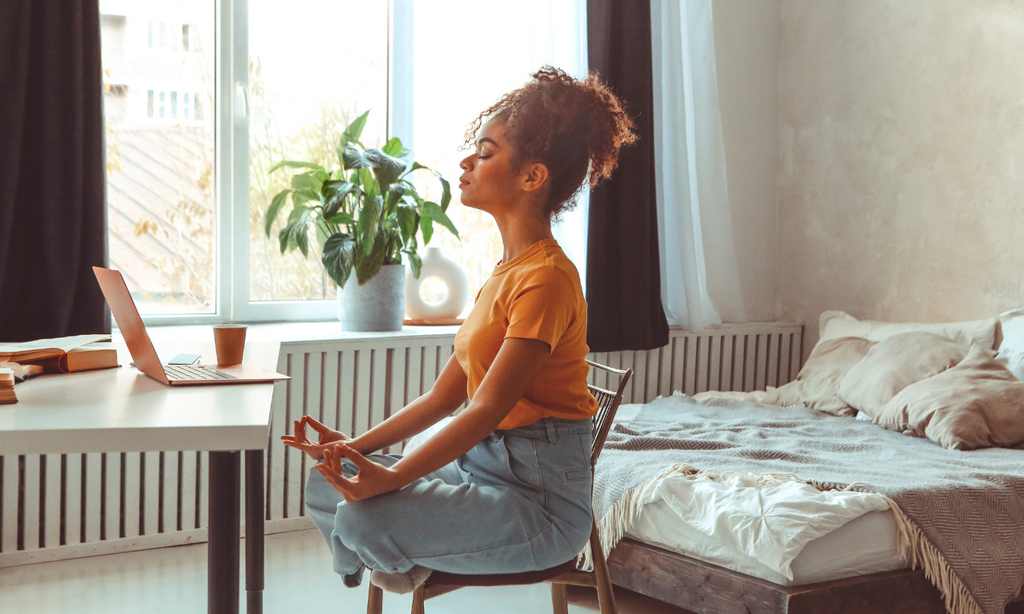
123	410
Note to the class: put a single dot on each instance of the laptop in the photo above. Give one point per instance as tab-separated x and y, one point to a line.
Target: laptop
144	354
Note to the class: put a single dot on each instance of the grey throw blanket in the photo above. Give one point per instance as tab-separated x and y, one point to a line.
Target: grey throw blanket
965	509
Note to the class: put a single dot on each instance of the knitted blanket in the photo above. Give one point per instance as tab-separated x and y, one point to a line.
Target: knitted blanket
960	514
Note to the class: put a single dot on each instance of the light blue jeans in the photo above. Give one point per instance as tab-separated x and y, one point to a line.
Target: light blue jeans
518	501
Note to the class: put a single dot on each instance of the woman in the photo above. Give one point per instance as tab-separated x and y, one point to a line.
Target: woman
505	487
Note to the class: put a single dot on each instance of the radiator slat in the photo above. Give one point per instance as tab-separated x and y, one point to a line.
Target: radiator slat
378	387
112	499
73	499
397	396
51	522
293	457
93	500
30	524
188	491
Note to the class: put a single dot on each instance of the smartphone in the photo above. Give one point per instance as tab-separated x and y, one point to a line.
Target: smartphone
185	359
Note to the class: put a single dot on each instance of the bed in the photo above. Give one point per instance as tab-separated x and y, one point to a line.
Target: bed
699	535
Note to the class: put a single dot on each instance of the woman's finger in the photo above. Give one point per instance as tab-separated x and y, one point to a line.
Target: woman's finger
319	428
353	455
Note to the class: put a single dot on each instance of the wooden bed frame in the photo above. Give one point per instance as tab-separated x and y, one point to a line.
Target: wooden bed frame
704	588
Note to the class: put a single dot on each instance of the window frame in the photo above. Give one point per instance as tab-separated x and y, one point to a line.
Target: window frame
231	170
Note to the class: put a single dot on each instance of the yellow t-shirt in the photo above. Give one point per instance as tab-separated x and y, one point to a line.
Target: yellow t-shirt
536	295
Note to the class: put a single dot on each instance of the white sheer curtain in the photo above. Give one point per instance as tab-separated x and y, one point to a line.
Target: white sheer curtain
699	276
560	40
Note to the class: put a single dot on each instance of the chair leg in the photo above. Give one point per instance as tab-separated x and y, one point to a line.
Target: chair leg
375	600
417	600
605	596
559	600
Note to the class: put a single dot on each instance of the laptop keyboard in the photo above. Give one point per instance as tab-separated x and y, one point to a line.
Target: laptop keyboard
188	372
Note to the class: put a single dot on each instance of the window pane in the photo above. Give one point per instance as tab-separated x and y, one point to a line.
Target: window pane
302	98
160	182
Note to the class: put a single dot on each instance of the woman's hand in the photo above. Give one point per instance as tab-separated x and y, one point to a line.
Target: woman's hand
328	438
372	480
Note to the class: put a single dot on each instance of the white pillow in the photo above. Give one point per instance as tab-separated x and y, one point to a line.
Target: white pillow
835	324
1011	350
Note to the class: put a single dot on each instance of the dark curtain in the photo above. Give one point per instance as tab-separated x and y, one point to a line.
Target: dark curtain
623	270
52	206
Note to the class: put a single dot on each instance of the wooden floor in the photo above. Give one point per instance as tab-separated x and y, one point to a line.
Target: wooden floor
298	577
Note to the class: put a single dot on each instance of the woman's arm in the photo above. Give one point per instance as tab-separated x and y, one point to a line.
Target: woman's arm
509	377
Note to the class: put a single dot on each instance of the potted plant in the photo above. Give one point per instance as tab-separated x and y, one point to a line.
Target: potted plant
366	214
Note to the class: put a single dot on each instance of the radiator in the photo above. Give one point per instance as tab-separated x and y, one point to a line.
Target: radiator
59	506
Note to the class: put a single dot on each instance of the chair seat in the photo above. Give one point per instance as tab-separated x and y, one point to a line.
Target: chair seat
440	578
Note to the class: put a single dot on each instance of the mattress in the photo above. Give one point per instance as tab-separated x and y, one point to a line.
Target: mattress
863	540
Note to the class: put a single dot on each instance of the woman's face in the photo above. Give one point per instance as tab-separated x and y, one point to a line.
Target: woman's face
488	182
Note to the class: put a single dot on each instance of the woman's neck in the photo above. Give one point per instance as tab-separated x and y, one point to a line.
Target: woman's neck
519	233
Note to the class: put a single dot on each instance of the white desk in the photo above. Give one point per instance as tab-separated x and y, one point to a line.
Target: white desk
122	410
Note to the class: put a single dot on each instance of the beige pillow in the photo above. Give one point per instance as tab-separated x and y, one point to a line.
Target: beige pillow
818	382
976	404
834	324
895	363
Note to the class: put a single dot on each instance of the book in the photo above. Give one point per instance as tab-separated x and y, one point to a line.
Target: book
34	351
99	355
22	372
7	387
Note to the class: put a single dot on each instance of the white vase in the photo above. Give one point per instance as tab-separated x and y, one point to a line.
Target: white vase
436	264
377	305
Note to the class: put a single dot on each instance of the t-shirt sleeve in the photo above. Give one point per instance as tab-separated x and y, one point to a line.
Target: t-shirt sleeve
543	307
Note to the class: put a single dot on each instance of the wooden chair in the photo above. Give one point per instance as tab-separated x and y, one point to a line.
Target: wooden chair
440	583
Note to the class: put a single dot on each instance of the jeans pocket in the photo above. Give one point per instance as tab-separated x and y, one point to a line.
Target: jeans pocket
521	462
576	475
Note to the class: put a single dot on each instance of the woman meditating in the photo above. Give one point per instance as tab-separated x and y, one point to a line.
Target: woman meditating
504	487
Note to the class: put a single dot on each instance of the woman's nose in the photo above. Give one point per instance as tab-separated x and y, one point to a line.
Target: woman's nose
467	163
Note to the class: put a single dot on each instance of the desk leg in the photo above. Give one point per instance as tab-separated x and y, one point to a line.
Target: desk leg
254	516
222	558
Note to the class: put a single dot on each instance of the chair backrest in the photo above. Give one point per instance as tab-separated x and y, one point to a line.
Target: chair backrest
608	405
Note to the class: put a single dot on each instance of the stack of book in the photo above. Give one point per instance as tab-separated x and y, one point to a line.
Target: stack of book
7	387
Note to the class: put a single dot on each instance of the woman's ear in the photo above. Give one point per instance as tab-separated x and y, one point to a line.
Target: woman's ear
534	177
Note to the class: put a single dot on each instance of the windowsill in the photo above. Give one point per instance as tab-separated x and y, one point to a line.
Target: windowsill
294	332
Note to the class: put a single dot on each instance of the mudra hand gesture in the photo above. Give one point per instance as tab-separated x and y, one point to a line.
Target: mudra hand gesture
328	438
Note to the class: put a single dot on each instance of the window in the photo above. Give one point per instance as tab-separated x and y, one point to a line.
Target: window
187	216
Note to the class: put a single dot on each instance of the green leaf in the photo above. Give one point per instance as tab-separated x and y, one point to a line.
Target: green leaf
369	265
338	257
275	208
367	182
427	228
433	211
407	221
352	157
394	148
415	262
294	164
296	232
369	217
322	233
333	194
309	184
386	168
446	194
354	130
341	218
394	197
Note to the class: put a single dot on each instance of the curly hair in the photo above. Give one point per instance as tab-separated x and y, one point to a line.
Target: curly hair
574	128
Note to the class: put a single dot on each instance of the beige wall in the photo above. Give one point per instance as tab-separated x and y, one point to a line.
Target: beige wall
901	177
747	64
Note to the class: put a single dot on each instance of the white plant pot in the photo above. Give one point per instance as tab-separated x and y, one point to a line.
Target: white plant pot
436	264
375	306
